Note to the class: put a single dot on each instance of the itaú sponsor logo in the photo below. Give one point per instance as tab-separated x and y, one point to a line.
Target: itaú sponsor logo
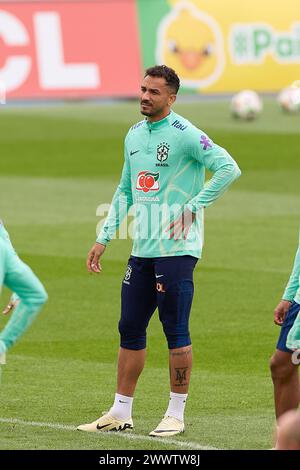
147	181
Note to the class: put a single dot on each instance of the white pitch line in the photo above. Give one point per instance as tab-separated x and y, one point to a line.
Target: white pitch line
126	435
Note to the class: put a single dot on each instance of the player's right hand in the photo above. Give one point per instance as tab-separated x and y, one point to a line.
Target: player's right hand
93	259
280	312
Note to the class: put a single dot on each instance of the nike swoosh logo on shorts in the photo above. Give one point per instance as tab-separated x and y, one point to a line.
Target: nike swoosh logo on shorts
158	275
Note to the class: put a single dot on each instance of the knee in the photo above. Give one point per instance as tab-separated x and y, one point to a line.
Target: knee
175	314
280	370
131	336
178	341
177	336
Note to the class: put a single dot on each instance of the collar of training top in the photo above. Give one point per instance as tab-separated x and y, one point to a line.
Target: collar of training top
158	124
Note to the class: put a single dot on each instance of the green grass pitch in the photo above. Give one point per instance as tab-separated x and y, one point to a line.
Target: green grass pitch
56	165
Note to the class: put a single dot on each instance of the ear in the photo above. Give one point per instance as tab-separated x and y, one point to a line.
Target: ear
172	99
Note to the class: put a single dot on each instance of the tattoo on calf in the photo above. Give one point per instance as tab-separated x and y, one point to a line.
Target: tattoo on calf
181	376
184	353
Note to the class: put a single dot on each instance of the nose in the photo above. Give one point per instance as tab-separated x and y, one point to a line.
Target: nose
145	96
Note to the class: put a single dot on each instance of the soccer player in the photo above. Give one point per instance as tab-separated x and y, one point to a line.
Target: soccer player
164	171
31	294
14	300
283	369
289	431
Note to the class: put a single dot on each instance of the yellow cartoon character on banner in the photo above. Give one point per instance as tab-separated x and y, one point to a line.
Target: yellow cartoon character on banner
191	42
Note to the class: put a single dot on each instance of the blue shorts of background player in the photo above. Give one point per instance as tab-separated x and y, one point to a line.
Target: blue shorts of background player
284	369
286	326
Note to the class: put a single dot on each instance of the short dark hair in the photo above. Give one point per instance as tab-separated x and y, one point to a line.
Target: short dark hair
167	73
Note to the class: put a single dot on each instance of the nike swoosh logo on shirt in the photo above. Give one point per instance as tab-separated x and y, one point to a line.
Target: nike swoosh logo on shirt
132	153
158	275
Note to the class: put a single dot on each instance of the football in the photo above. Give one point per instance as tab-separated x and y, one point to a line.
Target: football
289	99
246	105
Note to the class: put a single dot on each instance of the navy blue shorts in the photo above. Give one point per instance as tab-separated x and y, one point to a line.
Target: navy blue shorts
166	283
286	326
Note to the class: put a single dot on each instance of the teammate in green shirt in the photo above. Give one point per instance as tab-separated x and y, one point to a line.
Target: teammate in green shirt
14	300
29	291
284	363
163	179
293	338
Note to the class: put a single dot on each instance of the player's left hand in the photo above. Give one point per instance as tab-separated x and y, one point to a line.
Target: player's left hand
182	225
10	306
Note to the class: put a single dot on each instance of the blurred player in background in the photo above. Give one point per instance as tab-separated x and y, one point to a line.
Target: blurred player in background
165	161
288	436
29	298
284	369
293	338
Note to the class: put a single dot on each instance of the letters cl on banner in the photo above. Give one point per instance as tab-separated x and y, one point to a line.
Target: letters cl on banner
69	49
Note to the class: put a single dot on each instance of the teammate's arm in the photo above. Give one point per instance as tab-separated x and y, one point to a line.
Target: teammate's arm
293	284
14	300
289	293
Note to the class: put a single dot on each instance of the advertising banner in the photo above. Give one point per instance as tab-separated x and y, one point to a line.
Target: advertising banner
99	48
69	49
223	46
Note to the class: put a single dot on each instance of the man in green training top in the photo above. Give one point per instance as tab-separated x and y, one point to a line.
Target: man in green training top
284	364
163	177
29	292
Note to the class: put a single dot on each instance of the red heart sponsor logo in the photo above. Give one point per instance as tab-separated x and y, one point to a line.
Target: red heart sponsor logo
147	181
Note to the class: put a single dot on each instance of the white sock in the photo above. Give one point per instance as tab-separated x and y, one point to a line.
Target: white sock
176	405
122	407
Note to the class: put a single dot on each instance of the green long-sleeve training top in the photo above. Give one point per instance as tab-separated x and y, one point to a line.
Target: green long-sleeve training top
164	174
